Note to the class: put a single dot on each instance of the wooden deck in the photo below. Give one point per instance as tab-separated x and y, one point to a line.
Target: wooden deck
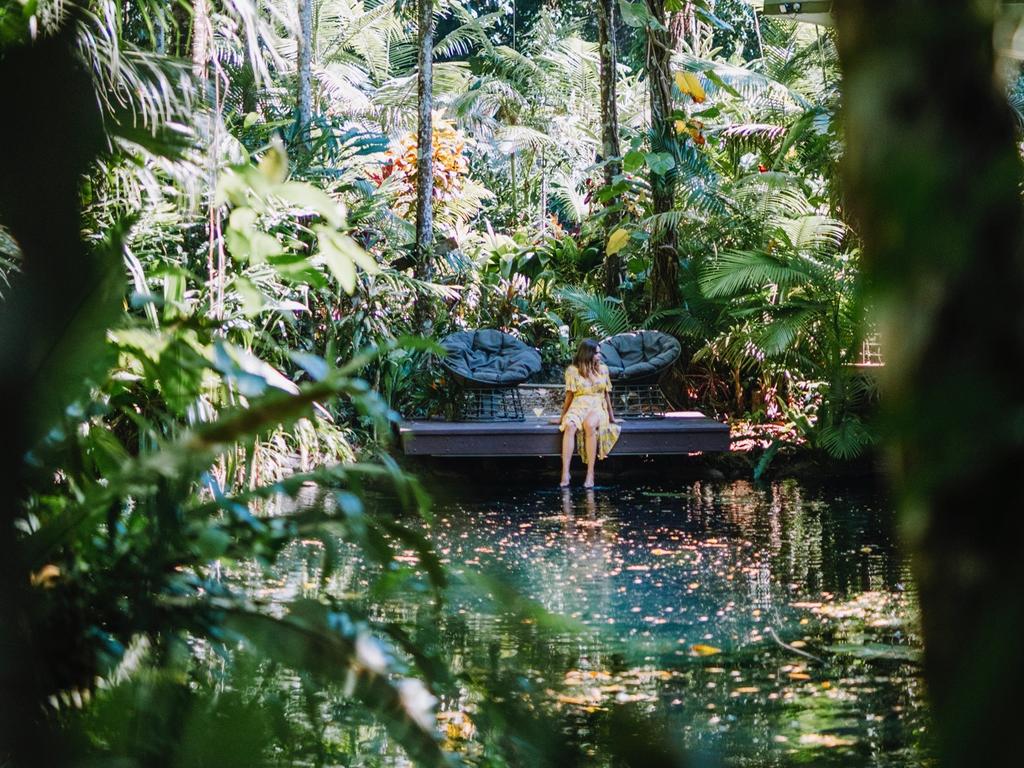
681	432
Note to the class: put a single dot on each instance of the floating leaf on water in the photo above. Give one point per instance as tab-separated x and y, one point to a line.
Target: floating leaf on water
704	650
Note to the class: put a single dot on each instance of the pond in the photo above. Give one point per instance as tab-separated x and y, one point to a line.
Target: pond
696	622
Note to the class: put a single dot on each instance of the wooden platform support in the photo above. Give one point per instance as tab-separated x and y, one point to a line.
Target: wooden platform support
680	433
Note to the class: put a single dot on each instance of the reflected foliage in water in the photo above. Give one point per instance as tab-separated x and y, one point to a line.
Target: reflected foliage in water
714	622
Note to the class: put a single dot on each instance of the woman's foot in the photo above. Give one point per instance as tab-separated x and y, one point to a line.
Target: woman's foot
588	483
564	483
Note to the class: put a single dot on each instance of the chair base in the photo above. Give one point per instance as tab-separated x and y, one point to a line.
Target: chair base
489	404
639	401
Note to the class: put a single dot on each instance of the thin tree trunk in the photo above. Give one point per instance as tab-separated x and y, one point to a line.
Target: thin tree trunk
665	267
424	269
201	41
159	32
933	176
610	149
304	97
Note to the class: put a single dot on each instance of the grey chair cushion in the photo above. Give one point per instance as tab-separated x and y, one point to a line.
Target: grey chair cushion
490	357
638	355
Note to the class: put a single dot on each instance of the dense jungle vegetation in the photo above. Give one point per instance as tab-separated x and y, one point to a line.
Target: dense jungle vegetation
223	276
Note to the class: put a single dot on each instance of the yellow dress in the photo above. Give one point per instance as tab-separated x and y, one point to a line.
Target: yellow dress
588	396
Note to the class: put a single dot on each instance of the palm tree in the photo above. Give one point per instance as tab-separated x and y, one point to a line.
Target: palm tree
424	152
665	268
609	132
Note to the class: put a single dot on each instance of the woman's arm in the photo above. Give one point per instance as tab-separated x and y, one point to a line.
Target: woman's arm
608	405
568	401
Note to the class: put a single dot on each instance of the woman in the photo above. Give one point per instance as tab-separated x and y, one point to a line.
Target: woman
587	414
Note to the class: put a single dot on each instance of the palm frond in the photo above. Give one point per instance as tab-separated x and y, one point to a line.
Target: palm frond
785	328
847	439
814	233
737	272
569	200
677	322
603	315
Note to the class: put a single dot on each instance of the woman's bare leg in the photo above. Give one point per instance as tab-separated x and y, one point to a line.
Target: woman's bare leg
590	426
568	443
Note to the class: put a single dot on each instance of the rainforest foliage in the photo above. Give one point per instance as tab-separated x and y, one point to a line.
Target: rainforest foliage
243	317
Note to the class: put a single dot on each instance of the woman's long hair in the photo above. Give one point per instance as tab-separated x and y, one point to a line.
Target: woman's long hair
586	358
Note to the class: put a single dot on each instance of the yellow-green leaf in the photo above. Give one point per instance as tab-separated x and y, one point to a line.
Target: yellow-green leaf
689	84
274	164
616	241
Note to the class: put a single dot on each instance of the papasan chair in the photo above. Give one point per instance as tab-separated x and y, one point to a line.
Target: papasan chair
488	365
635	363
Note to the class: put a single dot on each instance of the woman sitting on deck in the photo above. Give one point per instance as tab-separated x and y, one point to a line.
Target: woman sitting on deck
587	413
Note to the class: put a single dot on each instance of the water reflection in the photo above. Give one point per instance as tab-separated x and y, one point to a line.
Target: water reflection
756	625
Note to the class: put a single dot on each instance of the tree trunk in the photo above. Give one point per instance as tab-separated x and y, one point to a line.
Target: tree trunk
934	182
424	269
665	267
52	325
682	27
304	100
609	134
201	31
159	31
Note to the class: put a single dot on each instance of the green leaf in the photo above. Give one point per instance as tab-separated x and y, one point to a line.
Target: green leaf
636	15
252	298
342	254
705	15
212	543
660	163
309	197
633	161
711	75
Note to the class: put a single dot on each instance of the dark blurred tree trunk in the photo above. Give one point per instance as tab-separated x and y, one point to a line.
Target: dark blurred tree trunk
609	133
665	267
52	321
424	269
304	96
933	177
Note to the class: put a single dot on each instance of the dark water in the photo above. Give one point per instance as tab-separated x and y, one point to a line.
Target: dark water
738	625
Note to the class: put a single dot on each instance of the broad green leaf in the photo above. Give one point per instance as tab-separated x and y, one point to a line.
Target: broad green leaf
252	298
636	15
633	161
660	163
706	15
342	254
309	197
